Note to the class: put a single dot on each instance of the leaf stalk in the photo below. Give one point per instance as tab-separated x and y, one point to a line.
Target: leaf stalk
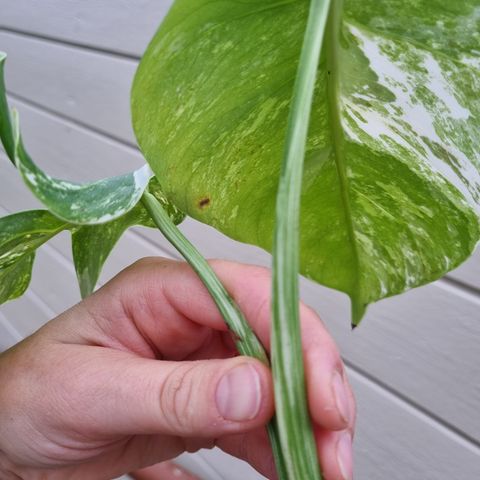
293	420
246	341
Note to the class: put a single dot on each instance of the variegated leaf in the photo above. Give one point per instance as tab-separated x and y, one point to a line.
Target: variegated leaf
391	190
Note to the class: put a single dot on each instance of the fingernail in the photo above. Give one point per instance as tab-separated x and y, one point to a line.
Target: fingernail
344	455
341	398
238	394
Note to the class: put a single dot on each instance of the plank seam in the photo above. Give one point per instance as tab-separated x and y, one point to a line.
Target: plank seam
5	322
460	288
163	248
37	300
446	427
69	43
56	116
77	123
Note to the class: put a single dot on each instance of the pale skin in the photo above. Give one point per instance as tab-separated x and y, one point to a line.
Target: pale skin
145	369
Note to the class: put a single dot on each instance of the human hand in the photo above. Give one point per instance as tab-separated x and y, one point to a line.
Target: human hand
145	369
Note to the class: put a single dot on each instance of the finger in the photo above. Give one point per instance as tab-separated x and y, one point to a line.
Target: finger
105	393
156	308
335	453
163	471
328	390
353	410
253	447
329	394
250	286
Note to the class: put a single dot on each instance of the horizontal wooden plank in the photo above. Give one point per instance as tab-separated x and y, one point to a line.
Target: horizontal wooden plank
398	443
9	336
92	88
205	469
120	26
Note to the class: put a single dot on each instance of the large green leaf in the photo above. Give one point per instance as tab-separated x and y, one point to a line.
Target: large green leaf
391	189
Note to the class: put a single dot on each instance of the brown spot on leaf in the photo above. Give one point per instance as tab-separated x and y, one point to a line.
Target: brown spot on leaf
204	202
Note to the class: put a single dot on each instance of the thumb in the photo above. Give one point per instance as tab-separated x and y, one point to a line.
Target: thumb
207	398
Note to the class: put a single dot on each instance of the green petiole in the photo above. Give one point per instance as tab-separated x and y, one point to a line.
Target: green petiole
246	341
293	420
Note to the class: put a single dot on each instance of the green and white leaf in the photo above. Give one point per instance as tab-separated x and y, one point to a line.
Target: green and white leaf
84	203
391	189
78	203
20	235
96	213
15	278
6	133
91	244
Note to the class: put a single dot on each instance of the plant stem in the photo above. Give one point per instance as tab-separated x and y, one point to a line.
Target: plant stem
293	420
246	341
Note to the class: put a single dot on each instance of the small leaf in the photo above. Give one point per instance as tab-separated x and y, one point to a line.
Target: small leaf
14	279
91	244
6	133
97	213
20	235
77	203
88	203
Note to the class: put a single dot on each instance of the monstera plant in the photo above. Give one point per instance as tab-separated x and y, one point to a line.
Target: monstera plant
373	107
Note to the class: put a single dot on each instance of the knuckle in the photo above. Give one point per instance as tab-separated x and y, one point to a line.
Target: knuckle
143	263
176	398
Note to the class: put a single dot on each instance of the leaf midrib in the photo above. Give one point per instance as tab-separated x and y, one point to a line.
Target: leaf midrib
336	134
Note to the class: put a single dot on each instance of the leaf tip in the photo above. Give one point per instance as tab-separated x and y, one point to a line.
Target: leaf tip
359	309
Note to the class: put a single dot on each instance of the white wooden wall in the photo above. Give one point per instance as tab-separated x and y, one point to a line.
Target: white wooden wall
414	362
